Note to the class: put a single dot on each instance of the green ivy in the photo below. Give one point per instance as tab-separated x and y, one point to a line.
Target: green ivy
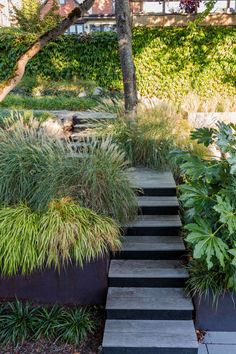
170	62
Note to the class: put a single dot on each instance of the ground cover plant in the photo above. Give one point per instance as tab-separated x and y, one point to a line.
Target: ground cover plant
19	102
208	197
21	322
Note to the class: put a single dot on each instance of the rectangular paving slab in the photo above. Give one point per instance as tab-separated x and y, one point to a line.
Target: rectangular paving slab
151	336
147	268
151	247
156	221
153	243
147	273
152	182
148	303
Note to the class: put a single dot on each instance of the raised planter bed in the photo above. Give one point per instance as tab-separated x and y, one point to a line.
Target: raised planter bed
73	285
218	319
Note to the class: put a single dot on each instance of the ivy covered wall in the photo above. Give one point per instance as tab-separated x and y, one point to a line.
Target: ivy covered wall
170	62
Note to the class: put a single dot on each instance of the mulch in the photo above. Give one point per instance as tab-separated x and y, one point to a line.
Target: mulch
92	345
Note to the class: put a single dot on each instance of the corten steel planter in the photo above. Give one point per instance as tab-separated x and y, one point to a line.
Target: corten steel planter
220	318
72	285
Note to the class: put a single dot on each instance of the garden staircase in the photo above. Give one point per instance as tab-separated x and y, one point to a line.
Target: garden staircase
85	123
147	310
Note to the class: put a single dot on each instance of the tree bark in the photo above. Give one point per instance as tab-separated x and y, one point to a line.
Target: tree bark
19	70
123	20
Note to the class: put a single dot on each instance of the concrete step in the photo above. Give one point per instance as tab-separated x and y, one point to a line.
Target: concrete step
158	205
148	304
154	225
84	126
151	247
147	273
149	337
153	183
86	134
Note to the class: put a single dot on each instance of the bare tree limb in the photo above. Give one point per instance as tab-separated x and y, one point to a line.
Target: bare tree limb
19	70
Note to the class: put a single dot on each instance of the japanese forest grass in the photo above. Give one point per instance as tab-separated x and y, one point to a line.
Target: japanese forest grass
58	206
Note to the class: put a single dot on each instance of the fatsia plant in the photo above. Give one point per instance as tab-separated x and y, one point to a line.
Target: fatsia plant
64	233
209	199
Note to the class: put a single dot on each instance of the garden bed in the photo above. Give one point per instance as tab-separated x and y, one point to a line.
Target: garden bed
92	344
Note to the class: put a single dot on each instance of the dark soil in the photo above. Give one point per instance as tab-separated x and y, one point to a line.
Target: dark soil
91	346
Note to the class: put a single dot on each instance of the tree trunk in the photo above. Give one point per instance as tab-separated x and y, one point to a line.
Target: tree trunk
123	20
19	70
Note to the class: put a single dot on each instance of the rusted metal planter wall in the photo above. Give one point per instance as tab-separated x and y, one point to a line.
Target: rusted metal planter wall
73	285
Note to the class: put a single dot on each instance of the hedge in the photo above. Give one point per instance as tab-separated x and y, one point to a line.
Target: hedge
170	62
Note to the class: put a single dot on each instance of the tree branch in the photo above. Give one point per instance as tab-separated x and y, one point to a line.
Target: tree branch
19	70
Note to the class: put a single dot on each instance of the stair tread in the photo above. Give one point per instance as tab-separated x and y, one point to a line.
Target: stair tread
153	243
147	269
157	201
93	115
156	221
131	298
148	178
150	333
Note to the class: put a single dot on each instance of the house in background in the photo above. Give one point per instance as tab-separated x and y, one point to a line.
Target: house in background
101	17
4	13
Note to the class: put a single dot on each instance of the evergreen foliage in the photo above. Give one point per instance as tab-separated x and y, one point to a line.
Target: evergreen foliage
170	62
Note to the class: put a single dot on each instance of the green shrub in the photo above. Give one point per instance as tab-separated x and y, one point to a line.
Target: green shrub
21	322
170	62
208	197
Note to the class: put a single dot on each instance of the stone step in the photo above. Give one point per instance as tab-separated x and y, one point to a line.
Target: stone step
158	205
153	183
151	247
147	273
148	304
84	126
149	337
93	115
86	134
154	225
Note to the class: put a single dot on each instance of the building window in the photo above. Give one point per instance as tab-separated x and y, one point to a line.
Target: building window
76	29
102	28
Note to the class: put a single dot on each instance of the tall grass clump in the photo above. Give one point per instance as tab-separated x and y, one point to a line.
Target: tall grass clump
36	168
104	181
159	130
